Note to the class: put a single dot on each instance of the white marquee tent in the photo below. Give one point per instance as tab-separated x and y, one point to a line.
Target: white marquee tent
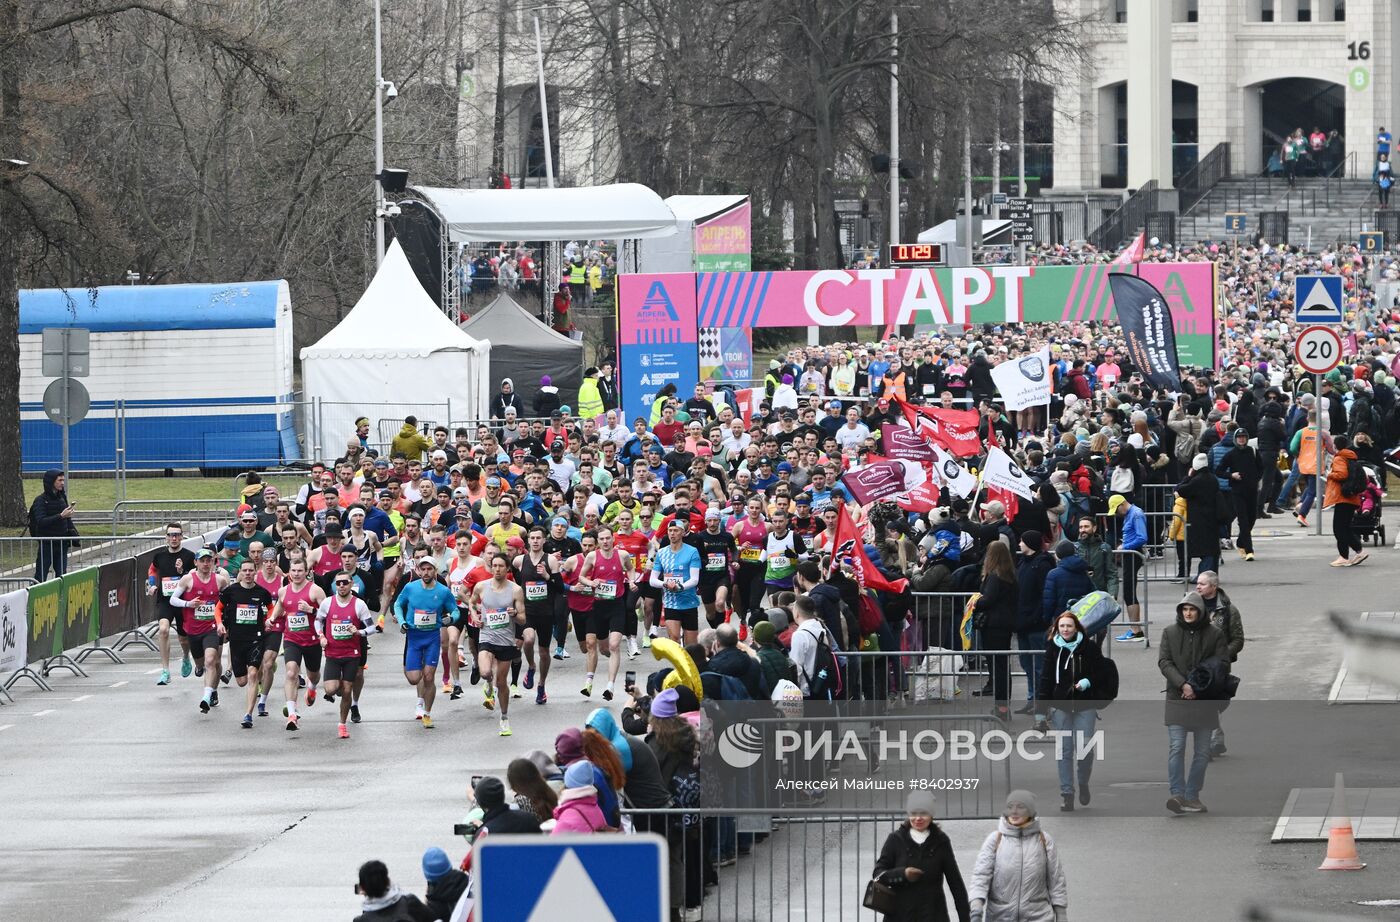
616	212
394	347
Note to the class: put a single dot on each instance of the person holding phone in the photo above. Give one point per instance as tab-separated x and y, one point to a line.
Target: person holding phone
51	520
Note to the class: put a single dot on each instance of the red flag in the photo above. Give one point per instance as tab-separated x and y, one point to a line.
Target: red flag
1010	500
850	546
954	431
921	499
1132	253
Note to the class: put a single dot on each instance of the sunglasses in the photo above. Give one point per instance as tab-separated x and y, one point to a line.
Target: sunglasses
342	582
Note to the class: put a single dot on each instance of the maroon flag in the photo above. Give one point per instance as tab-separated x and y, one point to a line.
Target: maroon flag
881	480
904	443
849	548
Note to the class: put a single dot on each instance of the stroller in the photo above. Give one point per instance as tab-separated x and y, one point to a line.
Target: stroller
1367	524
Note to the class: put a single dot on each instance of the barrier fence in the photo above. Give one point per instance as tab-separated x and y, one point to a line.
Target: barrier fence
97	607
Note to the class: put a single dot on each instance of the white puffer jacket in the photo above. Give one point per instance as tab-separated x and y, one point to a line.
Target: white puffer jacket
1018	875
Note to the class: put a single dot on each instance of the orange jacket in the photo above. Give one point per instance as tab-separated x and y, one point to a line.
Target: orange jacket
1335	476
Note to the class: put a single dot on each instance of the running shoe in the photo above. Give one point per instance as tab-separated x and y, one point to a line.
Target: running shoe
164	677
330	698
505	727
214	698
540	696
1130	637
515	691
427	722
199	671
743	630
558	652
381	624
354	713
203	706
563	654
476	675
632	650
608	693
301	681
262	709
455	693
418	712
247	721
529	678
646	642
292	722
310	696
227	676
343	732
447	688
588	690
186	667
488	700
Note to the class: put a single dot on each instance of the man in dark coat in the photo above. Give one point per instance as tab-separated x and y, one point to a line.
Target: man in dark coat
1186	644
497	817
726	658
51	519
1242	471
1202	495
1033	565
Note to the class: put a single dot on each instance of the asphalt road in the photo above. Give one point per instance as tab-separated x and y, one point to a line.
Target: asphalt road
121	801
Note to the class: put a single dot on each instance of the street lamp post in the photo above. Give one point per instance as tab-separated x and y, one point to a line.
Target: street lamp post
378	141
894	128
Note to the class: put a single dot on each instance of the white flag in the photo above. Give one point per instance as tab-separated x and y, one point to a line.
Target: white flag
1025	382
1001	471
958	479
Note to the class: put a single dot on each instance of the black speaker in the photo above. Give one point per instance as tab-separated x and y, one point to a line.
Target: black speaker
393	181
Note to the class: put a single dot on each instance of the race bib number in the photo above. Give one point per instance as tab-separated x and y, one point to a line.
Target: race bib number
342	630
715	562
245	614
534	592
750	554
168	585
362	566
422	617
496	618
299	621
928	390
204	611
606	589
778	561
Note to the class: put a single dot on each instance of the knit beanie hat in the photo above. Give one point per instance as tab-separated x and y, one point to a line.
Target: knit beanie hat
579	774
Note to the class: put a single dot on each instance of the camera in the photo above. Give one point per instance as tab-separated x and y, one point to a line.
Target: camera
390	91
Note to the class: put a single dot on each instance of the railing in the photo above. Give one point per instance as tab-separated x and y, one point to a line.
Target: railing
1204	176
1130	216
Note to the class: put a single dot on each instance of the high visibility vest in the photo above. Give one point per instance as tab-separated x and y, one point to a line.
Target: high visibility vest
590	402
1307	451
577	274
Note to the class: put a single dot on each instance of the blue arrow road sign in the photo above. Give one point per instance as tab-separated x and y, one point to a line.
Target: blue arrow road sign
1317	299
573	878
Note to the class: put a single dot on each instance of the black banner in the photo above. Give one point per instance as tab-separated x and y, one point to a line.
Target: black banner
1147	329
116	597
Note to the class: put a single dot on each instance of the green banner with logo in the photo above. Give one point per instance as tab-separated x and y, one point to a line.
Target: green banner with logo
81	614
45	614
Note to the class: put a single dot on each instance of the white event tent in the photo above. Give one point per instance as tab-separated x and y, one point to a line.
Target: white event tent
615	212
394	347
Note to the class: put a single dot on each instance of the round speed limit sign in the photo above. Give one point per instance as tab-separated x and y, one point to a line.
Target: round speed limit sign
1318	349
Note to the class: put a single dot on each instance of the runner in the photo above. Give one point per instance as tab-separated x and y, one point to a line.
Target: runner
751	535
423	607
462	566
271	578
325	560
676	570
367	549
202	628
501	605
562	547
248	603
718	553
645	522
536	572
343	625
293	613
637	544
168	566
605	571
785	548
579	597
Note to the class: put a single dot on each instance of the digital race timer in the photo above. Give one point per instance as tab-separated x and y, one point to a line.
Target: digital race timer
916	254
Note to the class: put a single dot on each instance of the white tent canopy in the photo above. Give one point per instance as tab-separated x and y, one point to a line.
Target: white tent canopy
394	347
950	230
616	212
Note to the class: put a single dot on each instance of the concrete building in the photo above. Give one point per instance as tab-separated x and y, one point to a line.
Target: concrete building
1245	72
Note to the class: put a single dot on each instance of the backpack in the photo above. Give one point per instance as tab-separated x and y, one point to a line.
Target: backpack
869	614
1355	483
1095	611
1185	448
1105	684
825	682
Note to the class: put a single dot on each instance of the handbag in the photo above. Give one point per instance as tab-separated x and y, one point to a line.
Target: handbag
881	898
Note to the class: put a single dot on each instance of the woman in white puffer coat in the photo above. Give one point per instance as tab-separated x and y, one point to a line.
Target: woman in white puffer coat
1018	877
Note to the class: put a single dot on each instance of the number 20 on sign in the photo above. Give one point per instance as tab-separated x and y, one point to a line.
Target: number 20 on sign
1318	349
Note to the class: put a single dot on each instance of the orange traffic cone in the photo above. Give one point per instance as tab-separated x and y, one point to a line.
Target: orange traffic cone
1341	844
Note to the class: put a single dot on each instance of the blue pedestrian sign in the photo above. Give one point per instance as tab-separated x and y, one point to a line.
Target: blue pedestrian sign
1371	243
1234	222
1317	299
572	878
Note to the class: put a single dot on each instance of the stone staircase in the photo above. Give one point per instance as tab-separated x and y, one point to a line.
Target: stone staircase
1320	211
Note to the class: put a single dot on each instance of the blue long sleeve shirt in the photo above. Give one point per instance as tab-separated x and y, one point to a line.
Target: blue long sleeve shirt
1134	529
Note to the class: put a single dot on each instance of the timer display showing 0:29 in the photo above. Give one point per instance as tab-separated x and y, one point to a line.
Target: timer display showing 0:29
916	254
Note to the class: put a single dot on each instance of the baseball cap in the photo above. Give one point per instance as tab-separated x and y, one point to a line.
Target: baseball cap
1114	502
386	493
557	414
765	461
459	493
493	481
428	560
203	552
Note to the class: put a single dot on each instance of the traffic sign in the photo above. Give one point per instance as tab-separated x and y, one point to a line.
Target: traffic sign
1371	242
64	351
1318	349
1317	299
72	409
1235	222
998	198
581	878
